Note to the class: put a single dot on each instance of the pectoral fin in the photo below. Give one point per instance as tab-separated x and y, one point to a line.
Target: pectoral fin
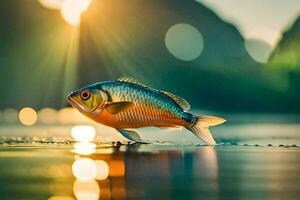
131	135
116	107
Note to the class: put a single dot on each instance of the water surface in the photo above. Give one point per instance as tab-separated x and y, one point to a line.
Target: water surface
257	157
157	171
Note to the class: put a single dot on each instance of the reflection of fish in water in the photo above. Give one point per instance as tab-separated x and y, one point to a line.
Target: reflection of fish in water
126	103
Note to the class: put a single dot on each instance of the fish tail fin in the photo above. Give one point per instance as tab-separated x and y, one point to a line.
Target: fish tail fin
199	127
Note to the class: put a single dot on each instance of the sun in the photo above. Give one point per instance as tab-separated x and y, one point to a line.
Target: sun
71	10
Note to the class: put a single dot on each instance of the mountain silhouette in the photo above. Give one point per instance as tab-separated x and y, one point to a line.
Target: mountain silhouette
286	61
287	53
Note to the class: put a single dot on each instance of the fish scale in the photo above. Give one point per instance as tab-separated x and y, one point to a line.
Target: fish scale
150	105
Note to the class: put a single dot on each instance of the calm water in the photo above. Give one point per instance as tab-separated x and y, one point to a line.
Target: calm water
62	171
258	157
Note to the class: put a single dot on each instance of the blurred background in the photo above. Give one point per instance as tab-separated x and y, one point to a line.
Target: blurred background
225	57
236	59
217	54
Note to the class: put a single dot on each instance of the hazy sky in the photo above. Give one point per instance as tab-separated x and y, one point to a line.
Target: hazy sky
260	19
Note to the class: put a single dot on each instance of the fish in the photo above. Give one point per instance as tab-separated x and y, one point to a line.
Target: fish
126	104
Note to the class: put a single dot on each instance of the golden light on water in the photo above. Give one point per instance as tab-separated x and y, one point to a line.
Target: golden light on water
83	133
60	171
71	10
84	169
106	151
102	170
86	190
84	148
117	168
86	172
61	198
28	116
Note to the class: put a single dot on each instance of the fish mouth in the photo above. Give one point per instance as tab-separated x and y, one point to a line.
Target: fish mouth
73	103
70	100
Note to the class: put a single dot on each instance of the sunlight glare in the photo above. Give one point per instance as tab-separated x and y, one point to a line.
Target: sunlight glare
83	133
84	148
71	10
83	4
51	4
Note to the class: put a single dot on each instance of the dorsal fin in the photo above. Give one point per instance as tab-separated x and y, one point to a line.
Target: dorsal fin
130	80
184	104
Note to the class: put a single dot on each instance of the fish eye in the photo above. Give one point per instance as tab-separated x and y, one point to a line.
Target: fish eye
85	95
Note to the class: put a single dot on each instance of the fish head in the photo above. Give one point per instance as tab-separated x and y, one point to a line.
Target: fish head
87	100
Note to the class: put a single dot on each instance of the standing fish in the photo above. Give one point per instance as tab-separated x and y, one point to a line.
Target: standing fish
126	103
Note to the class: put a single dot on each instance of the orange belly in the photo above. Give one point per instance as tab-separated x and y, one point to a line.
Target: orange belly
137	117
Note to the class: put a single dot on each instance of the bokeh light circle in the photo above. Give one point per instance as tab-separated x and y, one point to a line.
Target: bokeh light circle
86	190
66	116
84	169
47	116
184	41
102	169
28	116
